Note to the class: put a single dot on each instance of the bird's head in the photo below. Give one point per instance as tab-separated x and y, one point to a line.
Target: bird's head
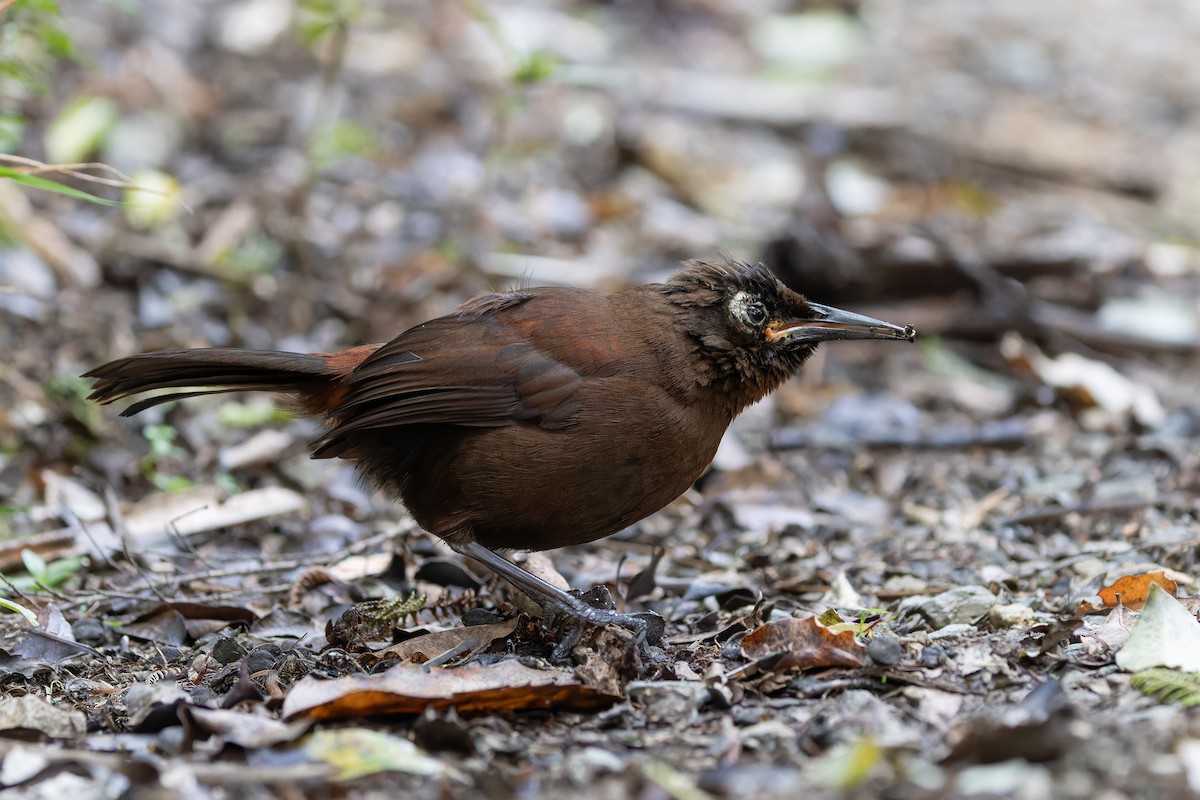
752	332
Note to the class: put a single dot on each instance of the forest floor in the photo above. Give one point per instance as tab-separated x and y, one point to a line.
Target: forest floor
915	571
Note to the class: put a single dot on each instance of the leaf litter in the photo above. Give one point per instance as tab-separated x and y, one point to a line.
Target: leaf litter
912	575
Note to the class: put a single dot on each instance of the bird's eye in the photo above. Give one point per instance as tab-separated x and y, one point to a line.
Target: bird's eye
748	310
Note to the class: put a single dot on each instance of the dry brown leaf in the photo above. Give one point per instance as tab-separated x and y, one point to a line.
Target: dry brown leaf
1130	591
243	729
1088	382
190	610
805	643
430	645
201	509
410	689
1111	633
30	714
1036	729
175	622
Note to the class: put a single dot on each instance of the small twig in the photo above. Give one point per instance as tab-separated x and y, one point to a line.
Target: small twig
52	591
1011	432
290	564
1012	307
137	568
75	522
815	688
181	541
916	679
116	518
466	646
33	167
178	258
12	587
1047	513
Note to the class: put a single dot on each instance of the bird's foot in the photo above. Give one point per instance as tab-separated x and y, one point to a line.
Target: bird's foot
594	608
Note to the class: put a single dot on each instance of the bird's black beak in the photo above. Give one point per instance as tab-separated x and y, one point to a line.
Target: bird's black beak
825	323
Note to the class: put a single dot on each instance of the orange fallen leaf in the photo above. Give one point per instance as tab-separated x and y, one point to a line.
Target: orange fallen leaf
805	643
410	689
1130	591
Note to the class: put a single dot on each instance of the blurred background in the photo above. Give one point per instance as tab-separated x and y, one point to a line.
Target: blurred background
343	168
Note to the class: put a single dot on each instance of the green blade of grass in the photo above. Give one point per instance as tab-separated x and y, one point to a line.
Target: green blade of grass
35	182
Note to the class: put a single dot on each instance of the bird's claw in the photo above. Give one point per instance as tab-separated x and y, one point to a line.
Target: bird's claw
646	626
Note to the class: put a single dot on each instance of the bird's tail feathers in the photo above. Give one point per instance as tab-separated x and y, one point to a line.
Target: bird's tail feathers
313	379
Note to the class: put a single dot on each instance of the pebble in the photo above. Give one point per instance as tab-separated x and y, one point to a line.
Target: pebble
668	702
965	604
252	27
148	140
953	631
1010	615
885	650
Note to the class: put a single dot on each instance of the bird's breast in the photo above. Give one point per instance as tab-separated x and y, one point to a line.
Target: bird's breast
632	450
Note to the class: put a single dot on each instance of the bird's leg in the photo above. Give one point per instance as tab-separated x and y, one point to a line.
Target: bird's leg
554	600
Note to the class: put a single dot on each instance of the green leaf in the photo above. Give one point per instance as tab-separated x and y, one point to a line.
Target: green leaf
11	128
830	617
536	67
1169	686
316	19
38	182
848	766
257	254
58	43
356	752
250	415
42	574
171	483
31	45
161	439
35	565
58	571
75	391
339	140
226	483
79	128
29	616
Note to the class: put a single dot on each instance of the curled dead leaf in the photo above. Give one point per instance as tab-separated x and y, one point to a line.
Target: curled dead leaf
410	689
1130	591
802	642
430	645
243	729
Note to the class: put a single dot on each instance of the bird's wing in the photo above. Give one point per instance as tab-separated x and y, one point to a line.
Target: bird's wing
478	367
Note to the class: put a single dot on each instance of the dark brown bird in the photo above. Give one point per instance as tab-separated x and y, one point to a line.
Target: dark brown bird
535	418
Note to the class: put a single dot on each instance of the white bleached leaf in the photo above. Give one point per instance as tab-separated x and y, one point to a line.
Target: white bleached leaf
1165	635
